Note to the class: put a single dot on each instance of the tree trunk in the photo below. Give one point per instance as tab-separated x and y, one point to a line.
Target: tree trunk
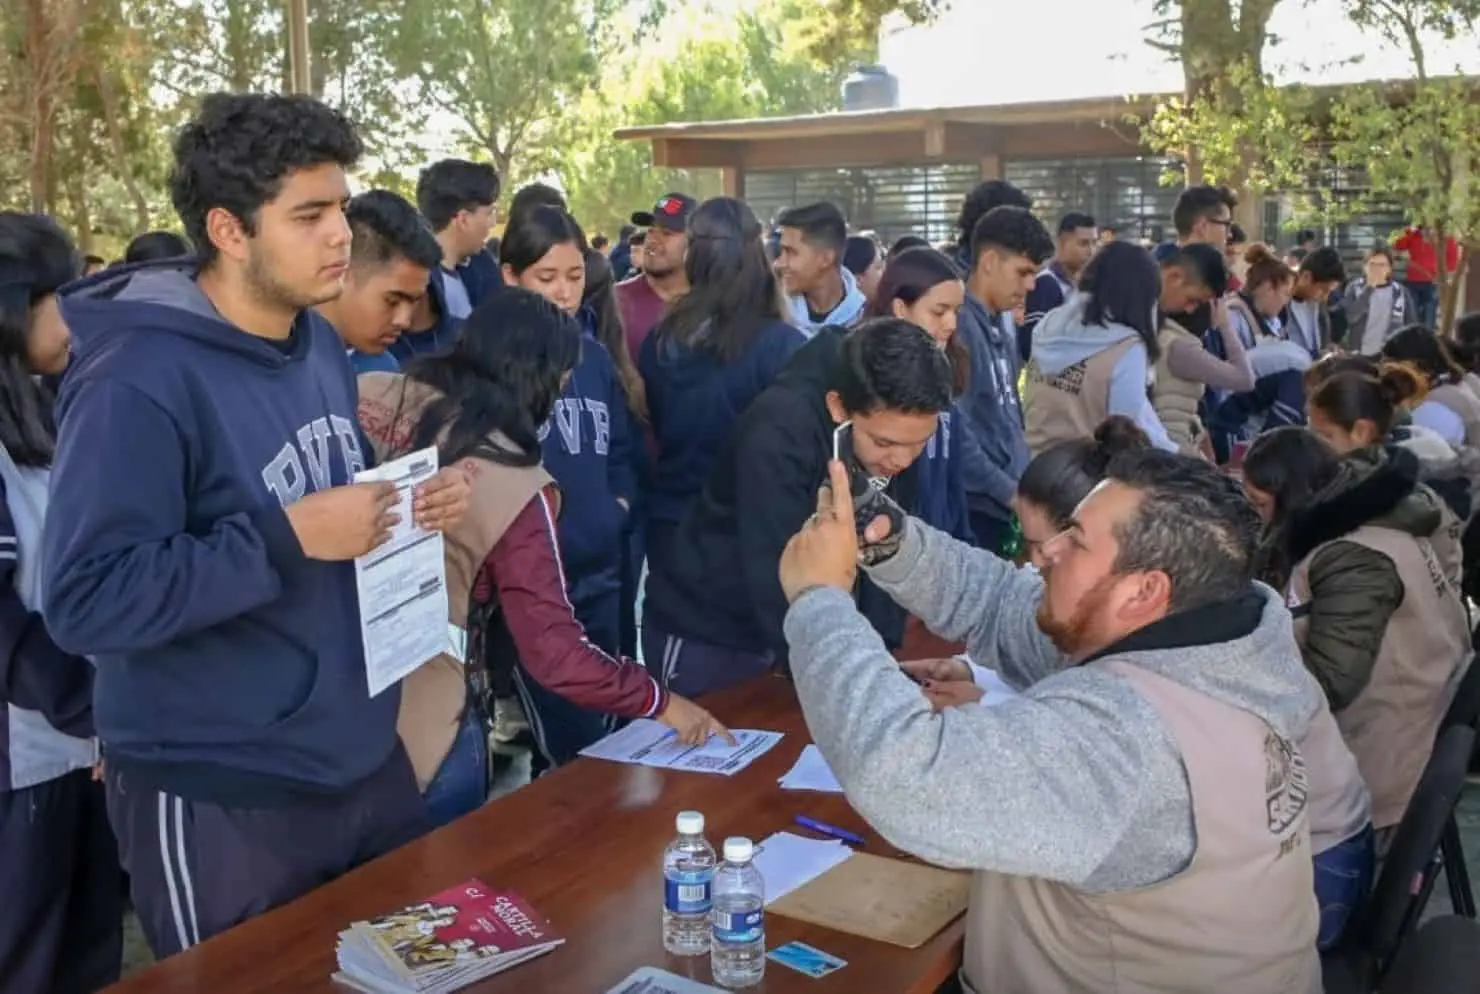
1450	289
1215	42
43	132
82	229
109	98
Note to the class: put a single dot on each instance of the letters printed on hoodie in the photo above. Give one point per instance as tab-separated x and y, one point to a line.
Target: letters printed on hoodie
567	418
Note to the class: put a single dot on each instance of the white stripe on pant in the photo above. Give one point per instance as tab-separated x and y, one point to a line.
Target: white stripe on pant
190	935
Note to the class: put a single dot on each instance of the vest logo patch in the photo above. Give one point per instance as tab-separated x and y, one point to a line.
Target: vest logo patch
1285	785
1070	381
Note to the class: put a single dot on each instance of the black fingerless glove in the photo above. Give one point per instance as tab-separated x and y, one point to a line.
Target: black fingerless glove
870	502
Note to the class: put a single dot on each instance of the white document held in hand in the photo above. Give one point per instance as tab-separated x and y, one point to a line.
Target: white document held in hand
402	584
651	743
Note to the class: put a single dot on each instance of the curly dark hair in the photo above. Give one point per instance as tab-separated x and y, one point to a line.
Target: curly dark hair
240	147
986	196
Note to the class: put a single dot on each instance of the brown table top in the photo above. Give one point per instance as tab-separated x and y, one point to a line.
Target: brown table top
584	846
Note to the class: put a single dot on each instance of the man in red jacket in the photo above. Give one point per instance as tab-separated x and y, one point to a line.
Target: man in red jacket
1423	270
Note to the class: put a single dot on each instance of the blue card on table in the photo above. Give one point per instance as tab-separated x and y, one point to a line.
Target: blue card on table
806	959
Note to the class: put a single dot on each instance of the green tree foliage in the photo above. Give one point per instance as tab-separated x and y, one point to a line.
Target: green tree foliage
836	32
508	71
743	69
1417	143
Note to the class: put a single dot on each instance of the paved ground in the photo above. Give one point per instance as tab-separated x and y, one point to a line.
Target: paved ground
136	953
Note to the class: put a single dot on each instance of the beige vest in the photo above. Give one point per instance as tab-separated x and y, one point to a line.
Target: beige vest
432	696
1338	803
1176	399
1241	918
1390	727
1464	404
1071	404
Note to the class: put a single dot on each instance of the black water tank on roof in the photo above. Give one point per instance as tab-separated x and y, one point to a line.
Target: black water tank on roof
870	88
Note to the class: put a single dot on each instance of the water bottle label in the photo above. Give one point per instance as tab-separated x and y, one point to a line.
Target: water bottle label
688	893
738	926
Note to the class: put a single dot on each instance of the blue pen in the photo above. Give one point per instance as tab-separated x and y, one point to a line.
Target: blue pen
826	829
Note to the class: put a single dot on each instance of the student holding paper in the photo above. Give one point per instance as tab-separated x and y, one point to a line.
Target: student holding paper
201	530
1139	816
482	404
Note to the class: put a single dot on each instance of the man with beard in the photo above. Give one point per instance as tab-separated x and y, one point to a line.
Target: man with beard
642	299
1137	816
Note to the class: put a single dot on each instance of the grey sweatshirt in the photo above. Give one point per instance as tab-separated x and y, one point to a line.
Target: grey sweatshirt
1077	780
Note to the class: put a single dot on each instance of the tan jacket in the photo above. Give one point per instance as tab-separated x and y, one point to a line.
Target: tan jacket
1241	918
433	696
1391	724
1071	404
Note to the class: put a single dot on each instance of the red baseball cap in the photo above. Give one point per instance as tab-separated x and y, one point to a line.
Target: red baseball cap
671	211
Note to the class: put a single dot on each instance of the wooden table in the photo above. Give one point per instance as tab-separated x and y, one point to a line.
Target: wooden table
584	845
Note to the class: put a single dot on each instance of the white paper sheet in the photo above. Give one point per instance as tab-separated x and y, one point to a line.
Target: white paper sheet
651	980
651	743
403	584
788	861
995	688
811	772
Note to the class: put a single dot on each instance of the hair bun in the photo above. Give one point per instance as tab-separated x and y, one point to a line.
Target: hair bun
1400	383
1117	434
1258	252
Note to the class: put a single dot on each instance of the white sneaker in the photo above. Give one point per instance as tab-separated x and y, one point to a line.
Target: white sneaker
510	726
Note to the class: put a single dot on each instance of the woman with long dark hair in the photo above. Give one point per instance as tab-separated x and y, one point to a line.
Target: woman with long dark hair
715	350
485	406
1092	357
588	442
924	287
1359	550
61	929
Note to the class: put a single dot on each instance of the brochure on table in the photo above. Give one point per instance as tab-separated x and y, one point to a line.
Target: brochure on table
650	743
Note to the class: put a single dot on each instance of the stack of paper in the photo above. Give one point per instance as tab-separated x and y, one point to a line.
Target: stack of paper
650	743
811	772
789	861
444	943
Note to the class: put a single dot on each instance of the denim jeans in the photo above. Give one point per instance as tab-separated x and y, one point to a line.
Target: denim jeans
1426	299
460	785
1343	876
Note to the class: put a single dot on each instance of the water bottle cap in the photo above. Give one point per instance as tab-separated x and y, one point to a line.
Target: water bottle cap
690	823
739	850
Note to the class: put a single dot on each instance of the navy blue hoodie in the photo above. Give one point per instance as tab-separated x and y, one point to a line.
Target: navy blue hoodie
941	500
694	398
587	447
229	666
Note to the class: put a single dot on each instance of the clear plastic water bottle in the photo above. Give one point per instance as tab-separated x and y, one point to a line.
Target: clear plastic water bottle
688	879
738	954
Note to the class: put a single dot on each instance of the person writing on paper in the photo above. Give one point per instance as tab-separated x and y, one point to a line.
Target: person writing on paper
201	532
1052	487
1138	816
482	405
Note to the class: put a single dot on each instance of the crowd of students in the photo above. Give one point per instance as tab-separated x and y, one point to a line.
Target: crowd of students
626	461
